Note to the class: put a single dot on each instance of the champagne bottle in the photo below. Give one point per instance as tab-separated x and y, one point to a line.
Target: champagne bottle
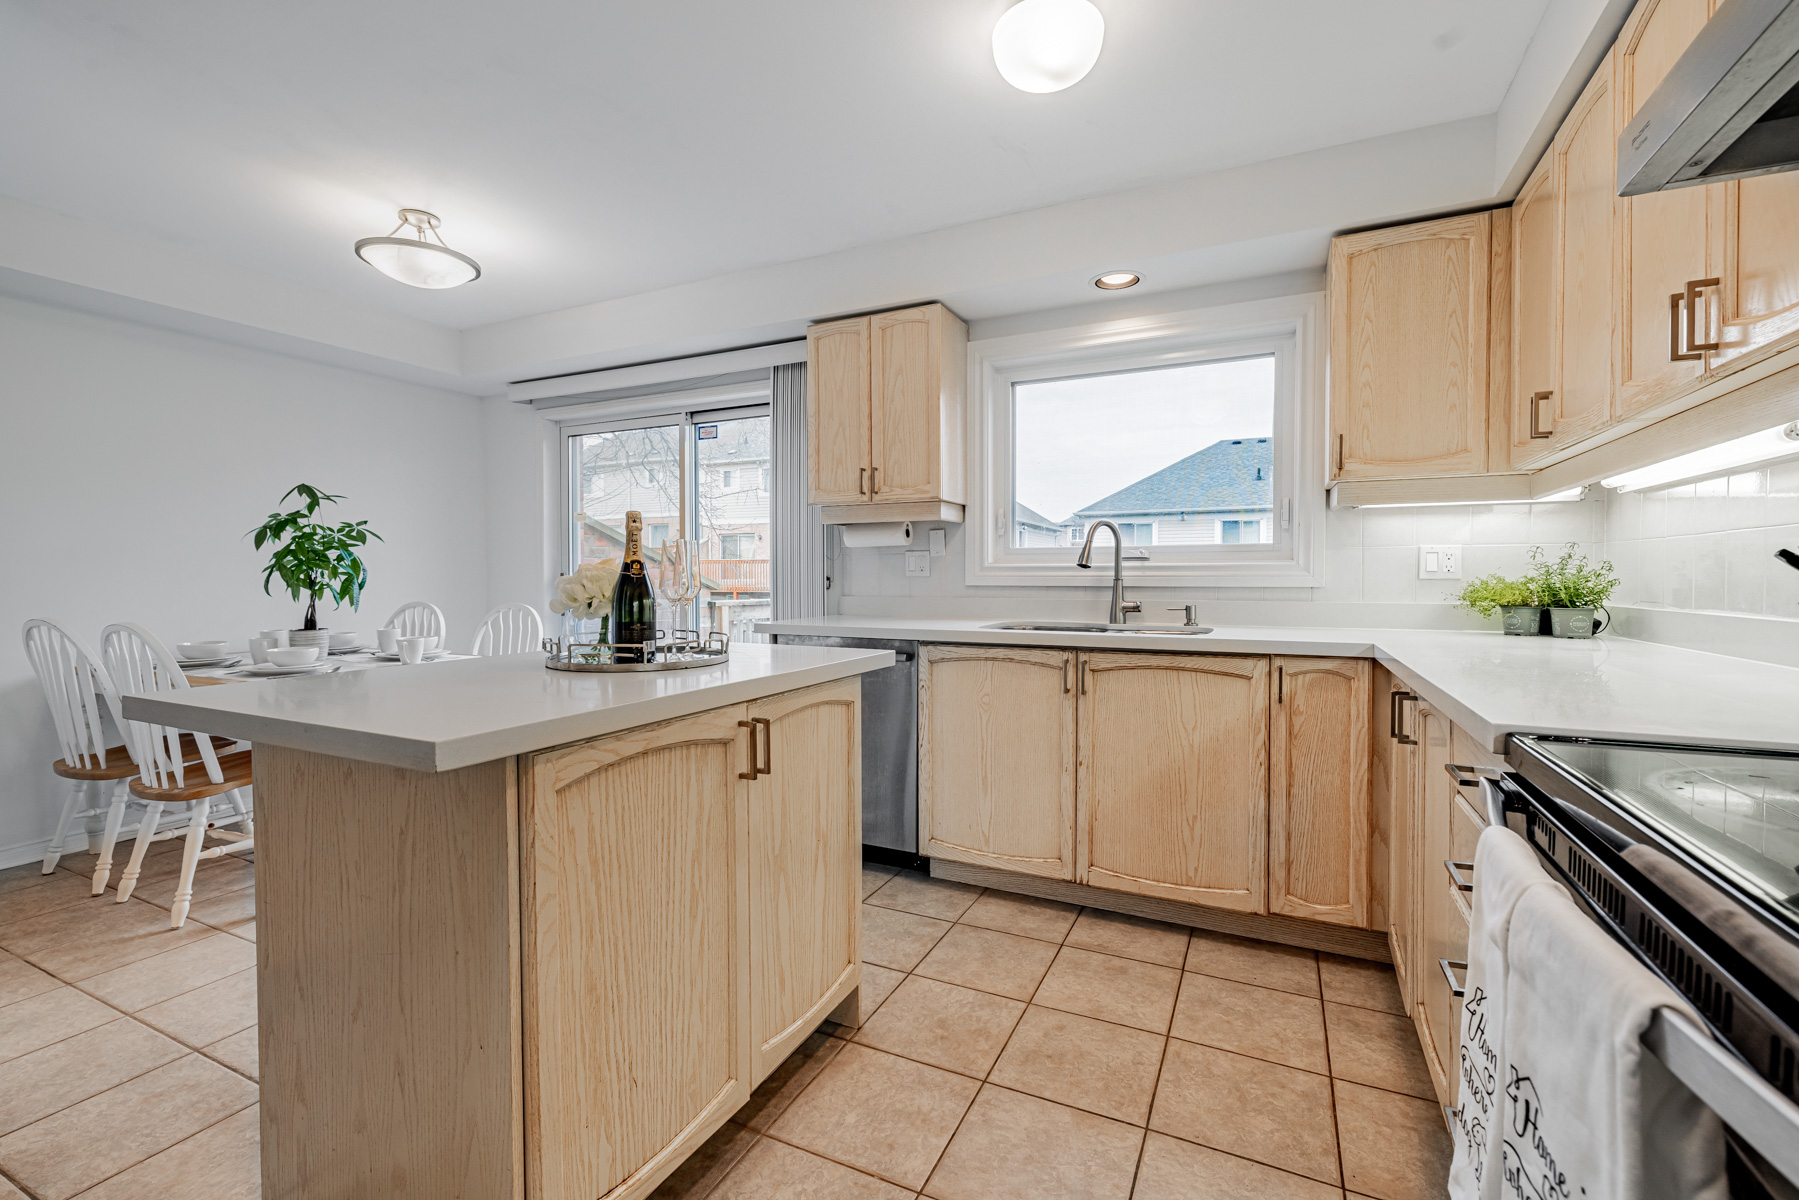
633	604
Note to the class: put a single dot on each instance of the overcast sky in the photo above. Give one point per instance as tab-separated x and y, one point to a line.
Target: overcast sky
1078	440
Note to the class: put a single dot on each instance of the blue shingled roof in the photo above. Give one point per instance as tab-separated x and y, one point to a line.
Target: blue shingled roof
1235	473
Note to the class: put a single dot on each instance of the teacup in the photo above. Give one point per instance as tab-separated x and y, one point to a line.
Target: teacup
293	656
278	636
259	649
388	638
412	649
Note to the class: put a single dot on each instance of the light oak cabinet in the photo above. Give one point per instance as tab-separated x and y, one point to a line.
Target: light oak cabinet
1318	818
1172	777
636	951
1585	158
1409	350
1394	798
1755	257
805	864
884	414
996	747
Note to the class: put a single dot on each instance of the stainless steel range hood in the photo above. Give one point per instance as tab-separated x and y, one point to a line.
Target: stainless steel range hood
1729	108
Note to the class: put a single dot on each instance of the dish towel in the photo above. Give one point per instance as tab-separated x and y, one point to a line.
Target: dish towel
1587	1111
1505	868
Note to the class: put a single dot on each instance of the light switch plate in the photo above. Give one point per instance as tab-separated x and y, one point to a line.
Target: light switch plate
1439	562
936	543
918	562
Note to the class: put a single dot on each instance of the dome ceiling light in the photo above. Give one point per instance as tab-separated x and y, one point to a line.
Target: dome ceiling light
1113	281
1047	45
417	260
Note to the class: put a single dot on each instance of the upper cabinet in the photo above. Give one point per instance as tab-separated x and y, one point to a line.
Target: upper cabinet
1755	259
884	415
1408	354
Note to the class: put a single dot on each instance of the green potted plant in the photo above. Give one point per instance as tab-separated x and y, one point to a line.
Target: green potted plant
1514	600
1572	588
314	559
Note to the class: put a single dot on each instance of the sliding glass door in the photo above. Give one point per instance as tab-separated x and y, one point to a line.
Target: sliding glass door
701	476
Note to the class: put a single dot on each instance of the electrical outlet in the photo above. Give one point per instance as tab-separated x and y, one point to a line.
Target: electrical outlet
936	543
1439	562
918	562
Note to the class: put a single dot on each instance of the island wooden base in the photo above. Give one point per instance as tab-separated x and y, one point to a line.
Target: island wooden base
551	977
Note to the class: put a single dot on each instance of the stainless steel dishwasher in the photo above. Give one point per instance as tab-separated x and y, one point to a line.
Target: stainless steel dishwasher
889	747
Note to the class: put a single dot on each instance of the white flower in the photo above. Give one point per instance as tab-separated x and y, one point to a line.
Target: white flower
588	592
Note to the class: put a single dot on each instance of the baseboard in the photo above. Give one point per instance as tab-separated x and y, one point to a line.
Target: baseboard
1288	931
20	853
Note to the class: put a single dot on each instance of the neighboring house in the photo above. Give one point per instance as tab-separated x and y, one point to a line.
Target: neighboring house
1222	494
1031	528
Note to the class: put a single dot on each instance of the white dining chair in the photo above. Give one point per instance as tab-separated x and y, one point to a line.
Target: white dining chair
141	665
420	618
509	629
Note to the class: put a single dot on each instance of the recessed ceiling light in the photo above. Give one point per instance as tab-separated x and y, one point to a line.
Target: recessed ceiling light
1047	45
415	260
1113	281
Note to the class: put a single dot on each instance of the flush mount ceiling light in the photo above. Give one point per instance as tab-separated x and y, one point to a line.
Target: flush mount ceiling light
1047	45
1780	442
417	260
1113	281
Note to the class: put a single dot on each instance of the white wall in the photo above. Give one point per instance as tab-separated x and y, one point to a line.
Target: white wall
132	461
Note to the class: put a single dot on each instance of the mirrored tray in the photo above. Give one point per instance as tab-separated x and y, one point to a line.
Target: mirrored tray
685	650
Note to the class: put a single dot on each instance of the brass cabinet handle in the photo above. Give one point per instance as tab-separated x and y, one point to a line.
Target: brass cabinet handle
768	746
1280	685
1694	287
1471	776
1449	967
874	478
1065	684
1084	677
1396	702
1674	351
1536	415
861	481
1458	874
1339	454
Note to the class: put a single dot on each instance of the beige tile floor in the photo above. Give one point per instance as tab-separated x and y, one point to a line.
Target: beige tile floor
1010	1047
128	1049
1017	1049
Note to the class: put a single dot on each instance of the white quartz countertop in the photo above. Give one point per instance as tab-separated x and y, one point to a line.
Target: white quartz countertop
1487	683
444	715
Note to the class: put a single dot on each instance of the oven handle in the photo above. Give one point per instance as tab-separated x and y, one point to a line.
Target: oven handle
1744	1100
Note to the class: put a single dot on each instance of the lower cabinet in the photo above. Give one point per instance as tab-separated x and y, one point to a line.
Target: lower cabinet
689	911
1172	777
1394	791
996	758
1318	819
805	848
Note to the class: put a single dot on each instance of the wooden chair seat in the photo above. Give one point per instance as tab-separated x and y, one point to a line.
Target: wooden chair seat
235	768
119	764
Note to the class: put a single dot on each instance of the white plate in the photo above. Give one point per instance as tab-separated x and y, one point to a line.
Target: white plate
194	664
383	656
348	649
313	668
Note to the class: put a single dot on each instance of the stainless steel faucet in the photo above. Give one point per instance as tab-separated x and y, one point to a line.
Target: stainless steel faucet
1120	605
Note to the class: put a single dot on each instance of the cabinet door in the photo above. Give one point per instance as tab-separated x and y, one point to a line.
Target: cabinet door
1397	744
1586	162
636	942
1443	930
906	369
1536	314
1661	236
1408	377
1318	790
805	843
1172	780
996	751
837	434
1756	259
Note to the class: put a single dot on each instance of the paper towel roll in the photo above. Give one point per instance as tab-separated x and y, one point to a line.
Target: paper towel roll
880	533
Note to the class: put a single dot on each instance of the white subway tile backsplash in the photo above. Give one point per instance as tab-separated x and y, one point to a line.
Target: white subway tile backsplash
1389	527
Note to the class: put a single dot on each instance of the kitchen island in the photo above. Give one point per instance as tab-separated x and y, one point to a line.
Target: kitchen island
525	933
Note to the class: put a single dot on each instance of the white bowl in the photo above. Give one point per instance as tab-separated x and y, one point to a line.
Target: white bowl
343	639
194	651
293	656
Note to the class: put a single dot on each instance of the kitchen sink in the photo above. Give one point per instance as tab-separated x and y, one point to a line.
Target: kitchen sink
1093	627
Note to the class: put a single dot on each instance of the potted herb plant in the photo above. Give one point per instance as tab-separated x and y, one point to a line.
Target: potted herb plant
1572	589
1514	600
314	559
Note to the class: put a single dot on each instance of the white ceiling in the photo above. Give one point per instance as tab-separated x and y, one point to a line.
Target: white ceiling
588	152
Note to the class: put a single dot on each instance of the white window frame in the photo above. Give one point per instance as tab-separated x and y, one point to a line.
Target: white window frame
1290	328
